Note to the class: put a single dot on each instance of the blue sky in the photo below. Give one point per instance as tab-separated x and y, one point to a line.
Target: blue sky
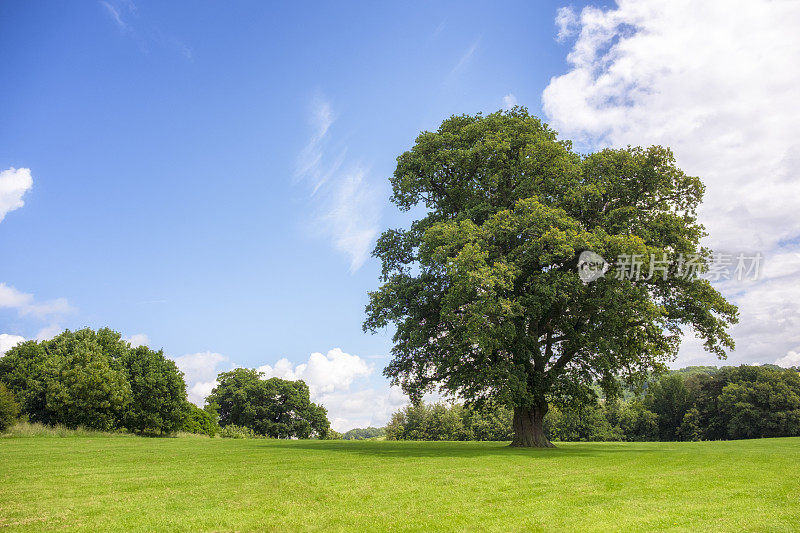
212	176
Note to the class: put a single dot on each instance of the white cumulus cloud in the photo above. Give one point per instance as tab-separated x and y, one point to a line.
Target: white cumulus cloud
323	373
14	183
718	85
9	341
363	408
330	378
790	359
336	379
137	339
26	305
200	373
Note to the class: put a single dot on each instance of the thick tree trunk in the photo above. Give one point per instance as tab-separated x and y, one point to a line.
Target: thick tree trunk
529	428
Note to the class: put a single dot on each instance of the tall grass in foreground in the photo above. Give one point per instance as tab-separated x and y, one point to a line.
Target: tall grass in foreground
35	429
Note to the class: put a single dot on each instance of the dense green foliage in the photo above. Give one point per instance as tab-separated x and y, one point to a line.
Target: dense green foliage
94	379
670	400
90	484
158	391
484	290
749	402
364	433
449	422
196	420
614	421
685	405
86	388
232	431
271	407
712	404
9	408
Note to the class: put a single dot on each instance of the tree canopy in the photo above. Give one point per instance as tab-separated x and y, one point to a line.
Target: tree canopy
95	379
272	407
157	389
484	289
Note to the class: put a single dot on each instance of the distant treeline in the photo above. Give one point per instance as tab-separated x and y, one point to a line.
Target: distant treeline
696	403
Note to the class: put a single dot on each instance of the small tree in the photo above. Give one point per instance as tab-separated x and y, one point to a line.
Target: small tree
196	420
9	409
690	429
670	400
484	290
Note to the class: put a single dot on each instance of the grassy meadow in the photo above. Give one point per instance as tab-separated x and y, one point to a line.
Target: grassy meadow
120	483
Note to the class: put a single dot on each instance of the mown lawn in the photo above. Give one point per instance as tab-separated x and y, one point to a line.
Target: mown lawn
200	484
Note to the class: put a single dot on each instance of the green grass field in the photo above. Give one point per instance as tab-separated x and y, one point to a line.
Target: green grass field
200	484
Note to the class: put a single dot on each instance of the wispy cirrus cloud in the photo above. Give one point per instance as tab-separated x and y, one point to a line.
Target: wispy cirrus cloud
125	16
115	12
465	58
309	166
567	23
347	205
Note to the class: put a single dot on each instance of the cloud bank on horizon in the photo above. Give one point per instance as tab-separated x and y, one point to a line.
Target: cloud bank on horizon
329	378
719	86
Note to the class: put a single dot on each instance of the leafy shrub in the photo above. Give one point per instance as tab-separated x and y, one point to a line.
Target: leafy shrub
198	421
689	429
670	399
332	435
232	431
582	423
364	433
449	422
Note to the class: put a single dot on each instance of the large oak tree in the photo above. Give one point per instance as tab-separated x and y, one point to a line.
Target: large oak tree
484	289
